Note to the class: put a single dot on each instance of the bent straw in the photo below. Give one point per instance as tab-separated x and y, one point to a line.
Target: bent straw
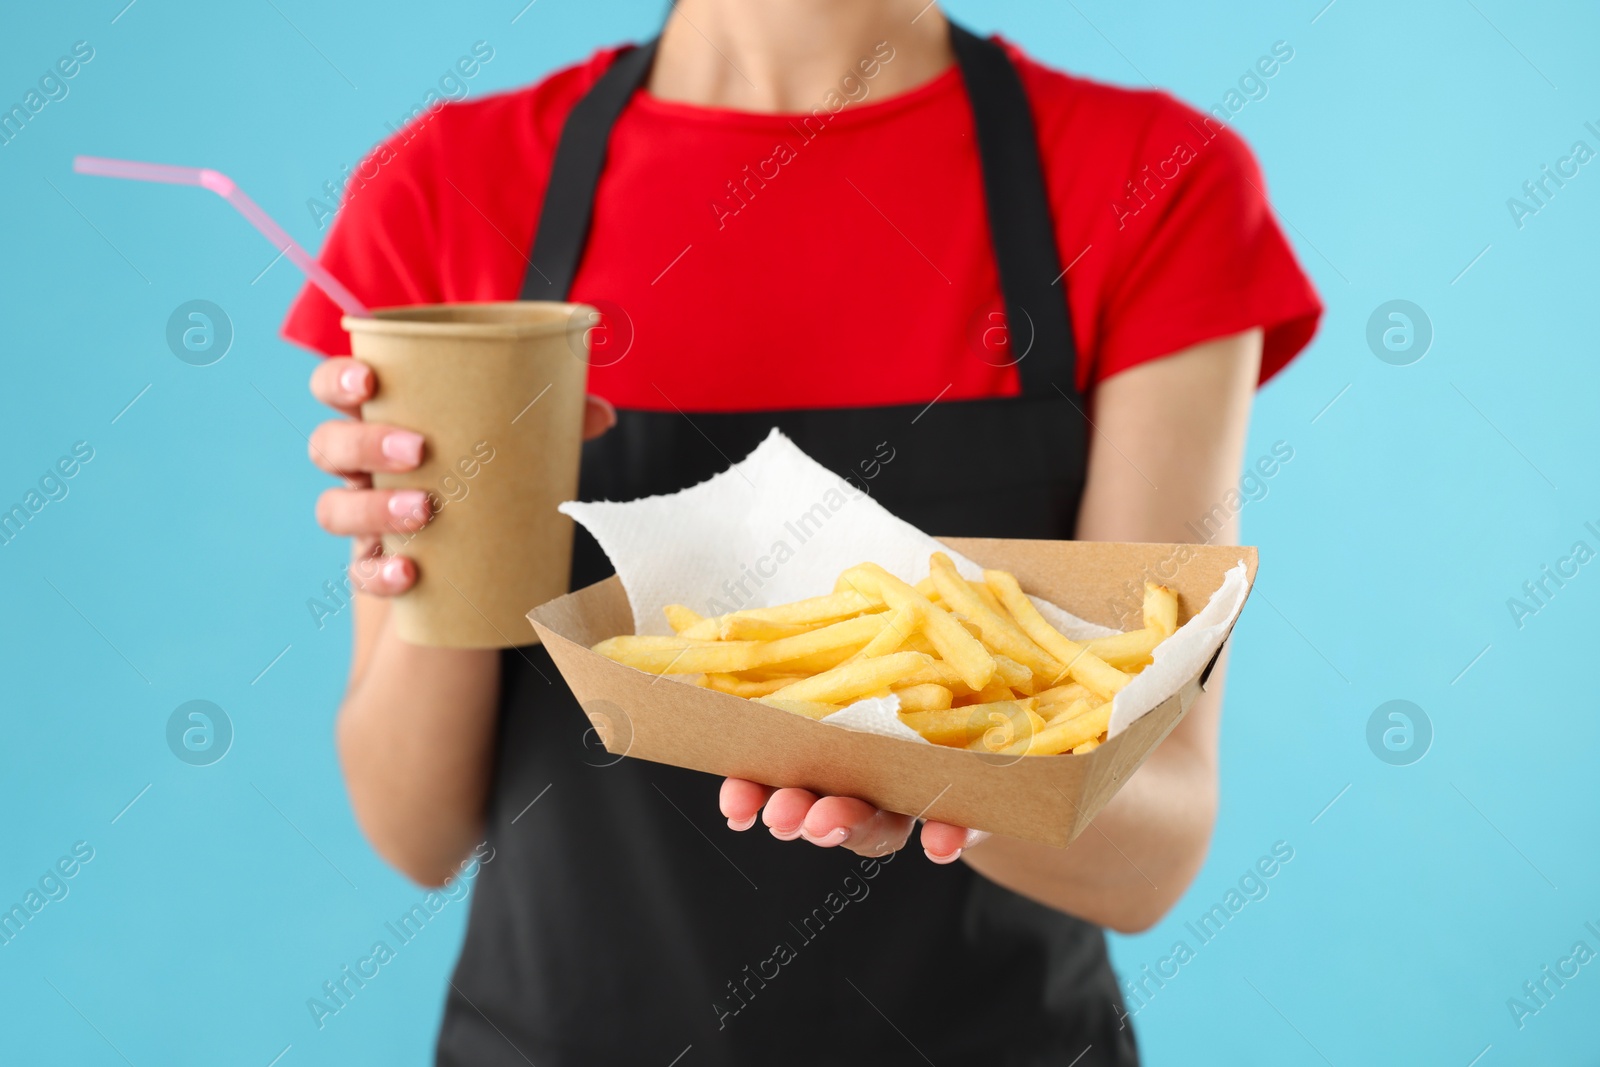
226	188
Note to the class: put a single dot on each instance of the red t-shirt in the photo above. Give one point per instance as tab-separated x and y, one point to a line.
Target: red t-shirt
827	259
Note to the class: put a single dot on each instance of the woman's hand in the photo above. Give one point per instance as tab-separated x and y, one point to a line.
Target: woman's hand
833	821
354	450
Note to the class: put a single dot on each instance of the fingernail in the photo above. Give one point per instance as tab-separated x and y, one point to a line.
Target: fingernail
742	826
353	380
835	837
403	446
951	858
394	570
407	503
785	833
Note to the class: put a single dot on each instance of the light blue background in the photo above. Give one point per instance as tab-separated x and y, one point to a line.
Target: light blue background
1415	505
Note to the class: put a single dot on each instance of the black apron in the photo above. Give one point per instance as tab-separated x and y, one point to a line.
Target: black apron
620	920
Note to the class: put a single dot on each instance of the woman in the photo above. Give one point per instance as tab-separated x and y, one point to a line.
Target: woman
903	245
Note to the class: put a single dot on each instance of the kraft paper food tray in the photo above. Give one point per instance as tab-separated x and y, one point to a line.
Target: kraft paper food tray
1049	799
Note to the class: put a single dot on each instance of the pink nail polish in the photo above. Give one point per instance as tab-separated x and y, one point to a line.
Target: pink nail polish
403	446
353	380
394	570
742	826
407	503
951	858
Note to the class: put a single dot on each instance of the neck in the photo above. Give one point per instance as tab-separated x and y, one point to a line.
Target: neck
787	55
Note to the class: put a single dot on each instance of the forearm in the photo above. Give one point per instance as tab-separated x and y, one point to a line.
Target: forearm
416	735
1139	854
416	730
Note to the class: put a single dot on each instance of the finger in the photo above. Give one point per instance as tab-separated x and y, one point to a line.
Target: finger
598	416
383	575
786	812
343	383
857	825
741	802
342	446
373	573
365	512
944	842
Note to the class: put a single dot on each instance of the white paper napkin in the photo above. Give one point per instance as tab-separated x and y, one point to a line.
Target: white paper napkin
778	526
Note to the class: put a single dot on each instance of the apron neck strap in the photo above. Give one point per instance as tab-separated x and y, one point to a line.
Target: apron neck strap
1021	225
1020	222
563	228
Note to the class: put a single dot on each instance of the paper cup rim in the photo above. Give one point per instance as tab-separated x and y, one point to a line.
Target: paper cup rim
409	320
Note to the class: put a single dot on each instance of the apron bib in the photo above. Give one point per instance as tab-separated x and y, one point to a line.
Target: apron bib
619	919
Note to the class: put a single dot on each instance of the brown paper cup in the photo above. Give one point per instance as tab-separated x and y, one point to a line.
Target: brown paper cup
497	391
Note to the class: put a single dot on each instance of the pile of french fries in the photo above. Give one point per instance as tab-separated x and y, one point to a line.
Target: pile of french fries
975	664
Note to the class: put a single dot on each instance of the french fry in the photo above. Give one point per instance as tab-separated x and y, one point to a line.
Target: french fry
811	709
830	608
990	601
1087	746
960	649
1160	609
926	697
681	618
721	657
938	672
901	624
1126	650
707	629
810	612
857	631
743	687
995	692
958	727
948	726
1063	734
999	633
744	628
1082	664
1013	724
815	663
1054	713
1009	672
849	681
1062	695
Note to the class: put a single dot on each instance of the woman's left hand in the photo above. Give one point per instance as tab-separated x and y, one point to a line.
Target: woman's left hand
834	821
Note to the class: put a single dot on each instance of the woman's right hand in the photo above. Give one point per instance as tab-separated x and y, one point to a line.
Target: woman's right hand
353	450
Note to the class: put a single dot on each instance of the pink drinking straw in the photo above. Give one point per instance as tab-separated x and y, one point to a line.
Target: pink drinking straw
225	187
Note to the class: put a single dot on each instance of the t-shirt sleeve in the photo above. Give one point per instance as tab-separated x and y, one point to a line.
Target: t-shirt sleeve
1206	258
383	243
